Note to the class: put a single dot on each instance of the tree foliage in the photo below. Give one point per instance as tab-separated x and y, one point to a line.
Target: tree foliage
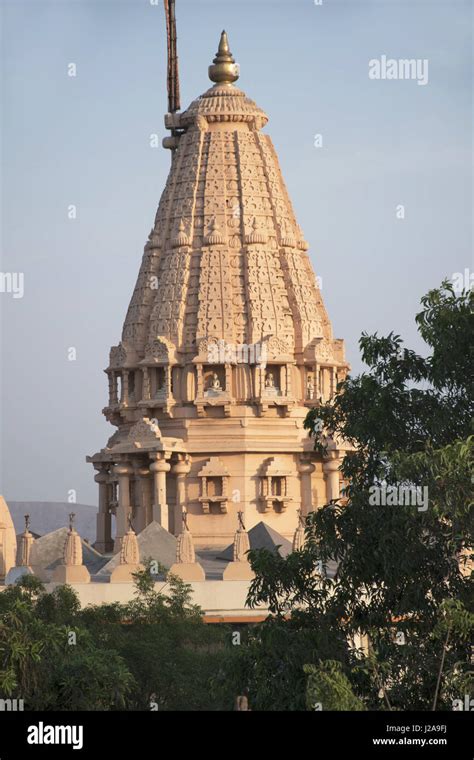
404	571
153	653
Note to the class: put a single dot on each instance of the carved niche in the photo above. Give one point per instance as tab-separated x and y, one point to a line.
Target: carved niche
214	487
274	486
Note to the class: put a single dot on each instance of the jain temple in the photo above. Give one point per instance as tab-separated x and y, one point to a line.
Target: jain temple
225	347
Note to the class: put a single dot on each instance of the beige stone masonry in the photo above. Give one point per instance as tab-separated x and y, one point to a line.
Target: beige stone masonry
71	570
226	344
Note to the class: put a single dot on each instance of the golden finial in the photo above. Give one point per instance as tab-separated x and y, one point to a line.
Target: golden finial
223	70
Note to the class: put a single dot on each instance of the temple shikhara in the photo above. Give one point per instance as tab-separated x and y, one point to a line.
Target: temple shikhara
226	343
226	346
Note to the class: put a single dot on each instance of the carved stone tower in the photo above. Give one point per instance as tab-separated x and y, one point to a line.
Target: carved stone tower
226	343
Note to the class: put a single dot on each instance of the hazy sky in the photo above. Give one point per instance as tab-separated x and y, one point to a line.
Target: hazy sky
85	140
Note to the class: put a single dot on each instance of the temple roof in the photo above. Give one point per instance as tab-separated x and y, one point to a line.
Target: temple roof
226	258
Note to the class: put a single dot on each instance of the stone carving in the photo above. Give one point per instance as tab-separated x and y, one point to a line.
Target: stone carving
118	356
214	485
239	568
185	547
186	566
259	232
208	346
241	541
159	350
129	553
72	570
214	236
323	349
287	236
72	554
23	556
145	431
214	385
274	487
299	537
24	545
180	239
129	562
225	261
275	347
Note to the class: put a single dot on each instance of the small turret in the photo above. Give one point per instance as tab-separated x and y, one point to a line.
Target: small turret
186	566
23	556
129	557
71	570
299	537
239	569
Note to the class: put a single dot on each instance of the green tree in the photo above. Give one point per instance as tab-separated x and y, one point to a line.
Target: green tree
47	656
176	660
328	685
154	652
403	578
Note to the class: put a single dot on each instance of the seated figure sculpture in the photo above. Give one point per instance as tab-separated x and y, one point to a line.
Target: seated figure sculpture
270	388
214	386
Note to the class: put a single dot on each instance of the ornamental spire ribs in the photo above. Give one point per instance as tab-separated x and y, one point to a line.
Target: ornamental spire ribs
226	251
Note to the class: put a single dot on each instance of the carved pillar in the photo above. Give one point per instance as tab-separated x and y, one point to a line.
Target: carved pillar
306	468
180	469
333	382
332	475
322	383
259	380
317	390
124	399
200	381
103	541
167	381
159	468
143	511
122	471
146	384
112	388
112	493
228	377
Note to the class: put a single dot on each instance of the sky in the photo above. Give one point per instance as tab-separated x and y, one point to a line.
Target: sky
384	195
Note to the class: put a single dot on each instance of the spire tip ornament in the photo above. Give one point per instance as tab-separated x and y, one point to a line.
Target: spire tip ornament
224	69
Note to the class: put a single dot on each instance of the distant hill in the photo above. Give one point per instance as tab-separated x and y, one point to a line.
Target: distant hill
46	516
